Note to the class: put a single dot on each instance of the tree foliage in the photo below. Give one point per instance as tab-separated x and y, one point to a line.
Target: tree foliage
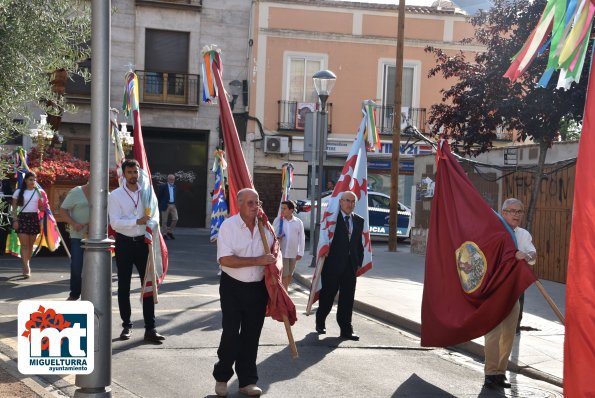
37	38
482	100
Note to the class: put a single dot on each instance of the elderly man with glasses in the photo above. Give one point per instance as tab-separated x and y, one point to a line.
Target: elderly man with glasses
243	295
344	258
498	342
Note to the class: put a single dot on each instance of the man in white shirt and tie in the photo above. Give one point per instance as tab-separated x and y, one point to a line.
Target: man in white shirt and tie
344	258
290	231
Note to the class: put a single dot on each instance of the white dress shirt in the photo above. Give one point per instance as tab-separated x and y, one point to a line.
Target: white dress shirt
525	243
121	208
235	239
170	188
293	239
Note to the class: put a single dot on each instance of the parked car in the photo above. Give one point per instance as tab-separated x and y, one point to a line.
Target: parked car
378	212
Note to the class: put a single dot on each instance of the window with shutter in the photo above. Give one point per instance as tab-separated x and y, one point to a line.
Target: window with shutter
166	66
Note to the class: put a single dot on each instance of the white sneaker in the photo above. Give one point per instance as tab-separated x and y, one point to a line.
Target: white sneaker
251	390
221	388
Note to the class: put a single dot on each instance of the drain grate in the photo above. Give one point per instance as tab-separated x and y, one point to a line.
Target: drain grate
524	391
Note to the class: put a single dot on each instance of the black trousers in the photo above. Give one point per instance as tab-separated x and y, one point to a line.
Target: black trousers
243	306
344	283
129	253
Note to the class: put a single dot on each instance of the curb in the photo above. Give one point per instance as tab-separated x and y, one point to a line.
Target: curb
469	347
8	364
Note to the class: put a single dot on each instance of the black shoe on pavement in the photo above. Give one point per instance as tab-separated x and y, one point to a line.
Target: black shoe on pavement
152	336
350	336
491	381
126	333
320	329
171	236
496	382
502	381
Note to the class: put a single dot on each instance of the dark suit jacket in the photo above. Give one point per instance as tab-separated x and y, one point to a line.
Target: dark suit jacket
344	252
7	189
163	196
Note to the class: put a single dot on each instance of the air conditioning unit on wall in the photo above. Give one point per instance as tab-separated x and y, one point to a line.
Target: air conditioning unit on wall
276	144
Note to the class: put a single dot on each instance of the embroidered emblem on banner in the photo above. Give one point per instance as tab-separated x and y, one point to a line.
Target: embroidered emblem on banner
471	266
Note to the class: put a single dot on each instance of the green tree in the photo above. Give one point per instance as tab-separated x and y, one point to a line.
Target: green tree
38	38
482	100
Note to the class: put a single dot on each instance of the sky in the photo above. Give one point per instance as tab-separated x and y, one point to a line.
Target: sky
470	6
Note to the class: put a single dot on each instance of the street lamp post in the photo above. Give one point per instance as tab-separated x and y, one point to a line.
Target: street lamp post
97	278
43	136
324	81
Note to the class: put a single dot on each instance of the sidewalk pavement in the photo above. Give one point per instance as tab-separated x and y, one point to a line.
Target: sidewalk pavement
392	292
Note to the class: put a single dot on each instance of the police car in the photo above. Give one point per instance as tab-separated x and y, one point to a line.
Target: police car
378	212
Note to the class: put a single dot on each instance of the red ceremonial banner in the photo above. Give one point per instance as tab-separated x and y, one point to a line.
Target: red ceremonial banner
472	279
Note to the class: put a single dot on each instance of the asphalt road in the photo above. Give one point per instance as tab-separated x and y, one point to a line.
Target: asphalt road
386	362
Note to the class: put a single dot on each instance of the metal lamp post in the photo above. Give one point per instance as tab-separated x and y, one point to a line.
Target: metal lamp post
97	263
324	81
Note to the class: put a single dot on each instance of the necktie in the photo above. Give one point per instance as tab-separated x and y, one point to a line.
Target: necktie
348	226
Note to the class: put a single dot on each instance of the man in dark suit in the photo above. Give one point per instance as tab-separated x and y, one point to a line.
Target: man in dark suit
166	195
344	258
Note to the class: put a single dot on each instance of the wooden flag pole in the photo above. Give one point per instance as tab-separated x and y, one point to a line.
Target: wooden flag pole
549	300
267	250
63	241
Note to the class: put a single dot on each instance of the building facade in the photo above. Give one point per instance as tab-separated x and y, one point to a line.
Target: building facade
357	41
161	40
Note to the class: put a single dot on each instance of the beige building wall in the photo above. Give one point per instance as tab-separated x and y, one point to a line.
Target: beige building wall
354	40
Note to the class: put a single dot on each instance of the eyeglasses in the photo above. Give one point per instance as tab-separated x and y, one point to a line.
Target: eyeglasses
254	203
515	212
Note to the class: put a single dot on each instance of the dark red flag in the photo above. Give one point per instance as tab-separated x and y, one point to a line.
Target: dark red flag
472	278
238	175
579	346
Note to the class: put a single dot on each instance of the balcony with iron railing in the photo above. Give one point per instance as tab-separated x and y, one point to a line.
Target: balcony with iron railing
161	88
179	4
292	115
415	117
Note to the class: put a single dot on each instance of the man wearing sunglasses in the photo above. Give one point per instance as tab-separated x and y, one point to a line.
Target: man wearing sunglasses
498	342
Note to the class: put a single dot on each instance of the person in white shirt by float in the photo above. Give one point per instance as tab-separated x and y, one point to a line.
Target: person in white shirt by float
290	231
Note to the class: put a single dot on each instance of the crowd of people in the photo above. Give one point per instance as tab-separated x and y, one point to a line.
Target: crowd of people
242	258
